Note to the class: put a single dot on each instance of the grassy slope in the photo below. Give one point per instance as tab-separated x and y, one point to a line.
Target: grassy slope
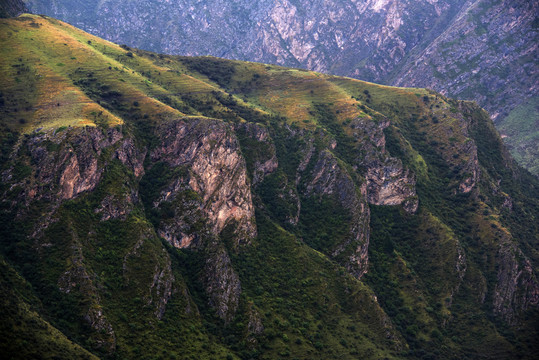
53	76
25	334
90	82
522	128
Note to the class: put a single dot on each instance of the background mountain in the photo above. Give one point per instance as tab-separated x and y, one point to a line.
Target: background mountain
478	50
157	206
11	8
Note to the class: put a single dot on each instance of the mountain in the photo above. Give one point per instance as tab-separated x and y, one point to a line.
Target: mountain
489	54
157	206
11	8
478	50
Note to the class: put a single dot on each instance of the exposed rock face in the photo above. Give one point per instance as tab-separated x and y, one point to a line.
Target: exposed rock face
485	55
82	208
307	155
117	207
161	279
390	184
321	174
69	164
78	168
131	156
73	166
216	171
517	288
222	282
179	230
255	325
212	192
361	38
470	168
478	55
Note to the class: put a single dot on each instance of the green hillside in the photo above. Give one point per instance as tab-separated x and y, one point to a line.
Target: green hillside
160	207
520	128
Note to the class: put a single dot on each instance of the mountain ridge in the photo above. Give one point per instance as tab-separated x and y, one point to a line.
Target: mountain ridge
471	50
201	207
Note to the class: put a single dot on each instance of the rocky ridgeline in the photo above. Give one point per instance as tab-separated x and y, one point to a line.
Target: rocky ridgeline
473	50
212	190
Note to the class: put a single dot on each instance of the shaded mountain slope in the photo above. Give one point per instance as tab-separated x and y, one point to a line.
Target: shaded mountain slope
11	8
177	207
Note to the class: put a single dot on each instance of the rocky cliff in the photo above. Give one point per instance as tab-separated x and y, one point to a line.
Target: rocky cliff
473	50
201	207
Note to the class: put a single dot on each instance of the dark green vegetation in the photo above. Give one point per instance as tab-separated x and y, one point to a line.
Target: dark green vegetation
111	237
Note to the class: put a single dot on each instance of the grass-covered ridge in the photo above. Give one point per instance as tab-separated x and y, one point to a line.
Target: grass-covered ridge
433	275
